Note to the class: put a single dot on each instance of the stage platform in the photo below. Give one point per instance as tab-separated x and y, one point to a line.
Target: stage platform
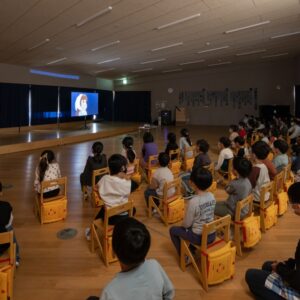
35	137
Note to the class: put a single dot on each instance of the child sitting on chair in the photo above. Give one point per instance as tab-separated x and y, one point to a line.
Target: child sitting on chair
129	153
225	154
172	145
149	148
47	169
279	280
140	278
200	211
281	159
239	144
237	189
185	142
6	219
259	174
96	161
160	176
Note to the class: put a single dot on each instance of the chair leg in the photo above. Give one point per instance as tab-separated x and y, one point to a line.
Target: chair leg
237	239
262	221
150	206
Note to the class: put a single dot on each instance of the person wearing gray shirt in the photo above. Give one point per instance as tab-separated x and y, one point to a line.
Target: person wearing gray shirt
200	211
237	189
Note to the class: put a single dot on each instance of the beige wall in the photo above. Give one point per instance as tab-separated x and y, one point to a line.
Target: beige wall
266	77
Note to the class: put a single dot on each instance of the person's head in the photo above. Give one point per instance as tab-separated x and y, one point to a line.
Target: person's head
260	150
281	146
185	133
239	142
224	142
202	146
242	166
127	142
148	137
263	132
294	197
131	242
97	148
163	159
242	125
233	128
201	178
83	102
171	138
117	163
47	157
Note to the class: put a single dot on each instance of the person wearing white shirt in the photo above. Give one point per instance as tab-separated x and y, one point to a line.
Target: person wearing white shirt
225	154
294	131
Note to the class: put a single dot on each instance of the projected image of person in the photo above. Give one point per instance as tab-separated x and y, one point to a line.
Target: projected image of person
81	105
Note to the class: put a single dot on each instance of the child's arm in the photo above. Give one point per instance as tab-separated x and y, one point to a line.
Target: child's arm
153	184
189	215
168	288
220	161
230	189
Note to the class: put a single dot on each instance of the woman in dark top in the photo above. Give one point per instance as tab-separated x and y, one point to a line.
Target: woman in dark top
172	145
95	162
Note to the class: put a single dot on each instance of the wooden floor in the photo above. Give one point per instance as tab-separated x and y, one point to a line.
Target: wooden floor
56	269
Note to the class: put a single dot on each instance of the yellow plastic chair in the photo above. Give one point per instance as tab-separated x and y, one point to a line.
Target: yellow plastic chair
96	199
280	196
188	159
175	163
228	176
289	177
7	266
211	169
55	208
247	230
152	165
217	260
267	210
136	176
170	209
101	232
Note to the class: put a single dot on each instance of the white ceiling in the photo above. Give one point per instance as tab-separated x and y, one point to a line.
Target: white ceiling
26	23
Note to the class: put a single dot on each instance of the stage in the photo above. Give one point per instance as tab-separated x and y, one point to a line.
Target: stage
35	137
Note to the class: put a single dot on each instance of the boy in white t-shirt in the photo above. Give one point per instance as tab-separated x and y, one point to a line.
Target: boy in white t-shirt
160	176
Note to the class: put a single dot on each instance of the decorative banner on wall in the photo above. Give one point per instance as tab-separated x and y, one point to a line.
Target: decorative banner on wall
225	98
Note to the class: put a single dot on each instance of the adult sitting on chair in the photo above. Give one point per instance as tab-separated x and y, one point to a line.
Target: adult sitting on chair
279	280
47	169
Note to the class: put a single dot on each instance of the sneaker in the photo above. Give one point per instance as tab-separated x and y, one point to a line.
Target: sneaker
88	233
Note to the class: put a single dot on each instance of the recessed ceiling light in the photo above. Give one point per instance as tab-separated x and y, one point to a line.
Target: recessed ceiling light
56	61
172	70
167	46
192	62
142	70
45	41
285	35
91	18
105	45
247	27
152	61
108	60
275	55
251	52
178	21
220	64
213	49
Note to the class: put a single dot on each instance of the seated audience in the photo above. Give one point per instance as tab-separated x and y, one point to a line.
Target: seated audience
200	210
129	153
149	148
233	132
242	130
140	278
239	145
281	159
172	144
47	169
278	280
263	134
237	189
94	162
225	154
185	142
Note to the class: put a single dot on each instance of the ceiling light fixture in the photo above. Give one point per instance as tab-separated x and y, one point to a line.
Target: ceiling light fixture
108	60
142	70
178	21
247	27
172	70
213	49
251	52
167	46
285	35
104	70
192	62
45	41
152	61
98	14
275	55
56	61
106	45
220	64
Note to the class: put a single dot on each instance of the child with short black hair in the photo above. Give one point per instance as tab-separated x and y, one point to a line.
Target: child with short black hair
281	159
172	144
129	153
263	134
239	144
160	176
225	154
242	130
149	148
238	189
200	211
233	132
140	278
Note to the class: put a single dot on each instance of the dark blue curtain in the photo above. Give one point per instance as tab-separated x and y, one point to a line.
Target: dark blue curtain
43	104
105	105
13	105
132	106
